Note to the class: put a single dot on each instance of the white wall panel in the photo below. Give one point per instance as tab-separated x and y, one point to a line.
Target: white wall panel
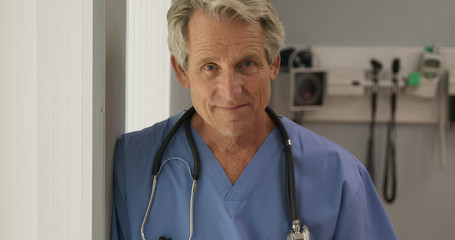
26	115
46	116
147	64
8	123
88	116
45	120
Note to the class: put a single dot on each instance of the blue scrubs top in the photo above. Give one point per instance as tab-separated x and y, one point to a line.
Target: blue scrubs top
335	196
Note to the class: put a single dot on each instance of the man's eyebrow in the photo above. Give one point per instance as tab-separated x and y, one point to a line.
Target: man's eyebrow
205	60
251	56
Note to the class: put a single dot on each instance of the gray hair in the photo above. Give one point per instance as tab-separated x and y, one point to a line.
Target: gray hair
254	11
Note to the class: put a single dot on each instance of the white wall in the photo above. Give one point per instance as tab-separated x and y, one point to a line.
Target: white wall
60	60
137	83
147	64
46	119
367	23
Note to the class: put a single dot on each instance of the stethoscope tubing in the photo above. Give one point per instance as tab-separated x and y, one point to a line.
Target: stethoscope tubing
157	165
194	150
147	212
159	155
185	119
152	197
290	178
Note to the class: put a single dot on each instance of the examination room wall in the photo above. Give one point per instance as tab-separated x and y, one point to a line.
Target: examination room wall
424	205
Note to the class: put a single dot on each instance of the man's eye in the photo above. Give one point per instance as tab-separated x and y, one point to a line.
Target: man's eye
247	64
209	67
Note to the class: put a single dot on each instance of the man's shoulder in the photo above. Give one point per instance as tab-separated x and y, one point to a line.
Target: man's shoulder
156	132
321	153
305	138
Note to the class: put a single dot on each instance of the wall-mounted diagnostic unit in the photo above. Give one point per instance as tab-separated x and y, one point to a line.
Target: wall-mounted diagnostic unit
424	83
307	88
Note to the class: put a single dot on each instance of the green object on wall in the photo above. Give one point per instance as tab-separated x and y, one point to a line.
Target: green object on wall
414	79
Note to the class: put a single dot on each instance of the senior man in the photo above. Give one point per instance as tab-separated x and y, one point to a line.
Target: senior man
226	52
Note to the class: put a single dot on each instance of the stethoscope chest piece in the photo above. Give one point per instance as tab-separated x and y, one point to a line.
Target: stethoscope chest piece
298	234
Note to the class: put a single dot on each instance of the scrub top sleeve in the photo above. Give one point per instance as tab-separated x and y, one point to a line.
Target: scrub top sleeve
119	224
364	217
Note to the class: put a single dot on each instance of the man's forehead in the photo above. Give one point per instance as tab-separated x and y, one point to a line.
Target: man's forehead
214	49
211	39
202	29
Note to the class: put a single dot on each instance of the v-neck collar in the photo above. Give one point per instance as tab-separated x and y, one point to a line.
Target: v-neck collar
232	195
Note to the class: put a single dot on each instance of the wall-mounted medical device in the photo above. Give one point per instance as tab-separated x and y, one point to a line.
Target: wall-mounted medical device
424	83
307	88
430	64
345	78
295	58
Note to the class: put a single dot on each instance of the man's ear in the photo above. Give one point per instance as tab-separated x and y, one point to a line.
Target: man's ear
182	76
275	67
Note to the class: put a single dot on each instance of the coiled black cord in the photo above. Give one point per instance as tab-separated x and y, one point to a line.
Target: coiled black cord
390	179
374	95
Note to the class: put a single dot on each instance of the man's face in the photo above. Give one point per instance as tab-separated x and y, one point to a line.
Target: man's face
228	74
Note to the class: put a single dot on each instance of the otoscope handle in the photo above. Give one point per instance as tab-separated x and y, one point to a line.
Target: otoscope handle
377	66
393	102
374	100
396	65
395	70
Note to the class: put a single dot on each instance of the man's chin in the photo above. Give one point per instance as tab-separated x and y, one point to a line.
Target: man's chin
233	129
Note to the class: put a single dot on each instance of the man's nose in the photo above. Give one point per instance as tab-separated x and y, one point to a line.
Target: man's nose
231	84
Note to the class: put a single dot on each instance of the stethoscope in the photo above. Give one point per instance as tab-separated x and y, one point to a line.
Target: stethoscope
298	232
